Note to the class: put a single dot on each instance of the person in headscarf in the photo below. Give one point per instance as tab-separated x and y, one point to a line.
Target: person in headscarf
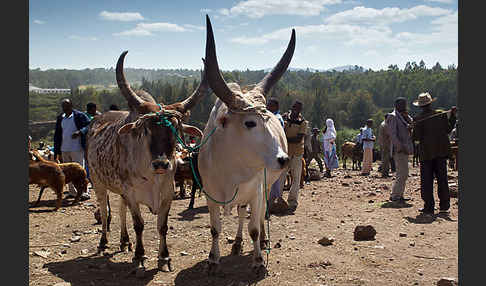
329	144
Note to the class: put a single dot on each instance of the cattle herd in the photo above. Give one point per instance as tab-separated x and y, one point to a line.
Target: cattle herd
135	154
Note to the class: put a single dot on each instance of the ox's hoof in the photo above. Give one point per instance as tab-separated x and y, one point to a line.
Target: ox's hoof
164	264
236	249
123	247
103	245
213	268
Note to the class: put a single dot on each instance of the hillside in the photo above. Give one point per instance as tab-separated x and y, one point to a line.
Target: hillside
348	97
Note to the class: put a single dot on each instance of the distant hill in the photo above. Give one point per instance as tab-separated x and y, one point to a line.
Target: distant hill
338	69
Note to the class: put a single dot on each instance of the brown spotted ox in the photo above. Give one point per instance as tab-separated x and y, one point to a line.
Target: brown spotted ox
248	145
131	154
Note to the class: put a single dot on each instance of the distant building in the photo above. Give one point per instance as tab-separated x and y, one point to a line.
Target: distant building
35	89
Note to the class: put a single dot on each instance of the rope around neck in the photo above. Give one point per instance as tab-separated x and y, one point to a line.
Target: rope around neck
164	121
167	123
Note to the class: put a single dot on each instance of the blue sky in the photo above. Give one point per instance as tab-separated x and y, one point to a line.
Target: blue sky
249	34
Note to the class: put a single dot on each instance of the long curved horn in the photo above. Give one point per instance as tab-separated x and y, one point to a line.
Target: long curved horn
133	99
201	91
271	79
215	79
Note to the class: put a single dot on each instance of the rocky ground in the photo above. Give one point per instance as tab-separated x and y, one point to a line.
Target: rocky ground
313	246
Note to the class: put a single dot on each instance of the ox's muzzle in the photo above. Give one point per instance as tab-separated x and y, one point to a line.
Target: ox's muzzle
283	161
161	165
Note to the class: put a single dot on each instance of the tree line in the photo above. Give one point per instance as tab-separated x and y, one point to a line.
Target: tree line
348	97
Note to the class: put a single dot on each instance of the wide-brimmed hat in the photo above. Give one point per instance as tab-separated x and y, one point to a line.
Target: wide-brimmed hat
423	99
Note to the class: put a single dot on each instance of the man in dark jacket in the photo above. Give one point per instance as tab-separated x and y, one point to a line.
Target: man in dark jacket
69	138
431	128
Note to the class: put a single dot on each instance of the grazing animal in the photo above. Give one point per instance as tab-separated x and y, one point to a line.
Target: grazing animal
184	173
354	152
46	174
73	172
132	153
245	144
76	174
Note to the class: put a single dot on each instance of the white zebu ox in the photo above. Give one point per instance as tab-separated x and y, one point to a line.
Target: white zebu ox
248	139
130	154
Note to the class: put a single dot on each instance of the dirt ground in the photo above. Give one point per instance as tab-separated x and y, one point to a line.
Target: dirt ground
409	249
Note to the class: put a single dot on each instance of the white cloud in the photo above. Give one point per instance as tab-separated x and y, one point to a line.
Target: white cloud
76	37
442	33
121	16
39	22
371	16
260	8
344	34
195	27
147	29
205	10
224	11
441	1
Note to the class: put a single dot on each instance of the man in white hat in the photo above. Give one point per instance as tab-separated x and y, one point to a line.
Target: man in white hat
431	128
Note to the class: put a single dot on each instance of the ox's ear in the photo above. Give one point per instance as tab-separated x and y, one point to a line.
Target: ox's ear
192	130
126	128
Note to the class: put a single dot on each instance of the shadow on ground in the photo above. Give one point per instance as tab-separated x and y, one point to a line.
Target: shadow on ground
428	218
49	204
233	270
98	270
394	205
191	214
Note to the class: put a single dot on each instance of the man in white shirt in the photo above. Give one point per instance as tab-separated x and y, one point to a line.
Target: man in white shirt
368	140
69	140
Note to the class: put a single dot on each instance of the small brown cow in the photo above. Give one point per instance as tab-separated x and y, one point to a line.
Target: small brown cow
74	173
46	174
350	150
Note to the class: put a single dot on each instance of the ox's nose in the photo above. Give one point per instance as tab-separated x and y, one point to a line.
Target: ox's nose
283	160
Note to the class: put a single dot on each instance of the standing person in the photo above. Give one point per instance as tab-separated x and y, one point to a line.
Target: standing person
91	112
275	190
329	146
368	140
385	144
398	125
357	138
69	139
316	150
432	130
295	127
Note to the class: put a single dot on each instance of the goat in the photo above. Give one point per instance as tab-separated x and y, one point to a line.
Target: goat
46	174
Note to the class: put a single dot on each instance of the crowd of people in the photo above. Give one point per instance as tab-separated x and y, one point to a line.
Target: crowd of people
397	132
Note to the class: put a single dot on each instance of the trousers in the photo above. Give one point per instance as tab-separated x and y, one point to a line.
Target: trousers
430	169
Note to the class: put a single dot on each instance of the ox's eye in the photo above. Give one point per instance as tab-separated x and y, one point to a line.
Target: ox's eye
250	124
